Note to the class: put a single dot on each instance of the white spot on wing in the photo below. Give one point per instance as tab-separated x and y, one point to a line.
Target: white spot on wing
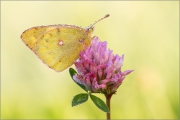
60	42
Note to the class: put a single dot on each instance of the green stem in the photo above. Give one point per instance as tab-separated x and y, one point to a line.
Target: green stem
108	99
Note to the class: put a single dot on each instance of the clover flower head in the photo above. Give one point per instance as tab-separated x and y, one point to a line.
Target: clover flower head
99	70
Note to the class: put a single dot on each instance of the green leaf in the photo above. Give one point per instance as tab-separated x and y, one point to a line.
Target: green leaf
72	73
79	99
99	103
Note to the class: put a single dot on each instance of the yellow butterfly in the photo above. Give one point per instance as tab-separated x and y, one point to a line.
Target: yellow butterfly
58	46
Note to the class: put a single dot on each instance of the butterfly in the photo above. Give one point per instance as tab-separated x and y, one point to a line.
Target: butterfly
58	46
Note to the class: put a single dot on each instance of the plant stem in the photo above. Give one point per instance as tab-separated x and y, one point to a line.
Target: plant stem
108	99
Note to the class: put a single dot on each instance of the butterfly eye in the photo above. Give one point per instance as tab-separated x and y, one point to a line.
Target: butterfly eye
89	29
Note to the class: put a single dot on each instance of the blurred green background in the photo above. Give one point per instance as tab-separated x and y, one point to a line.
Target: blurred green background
146	32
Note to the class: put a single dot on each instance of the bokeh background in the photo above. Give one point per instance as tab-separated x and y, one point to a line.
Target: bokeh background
147	32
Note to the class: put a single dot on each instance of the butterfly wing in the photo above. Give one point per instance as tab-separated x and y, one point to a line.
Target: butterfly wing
31	35
60	47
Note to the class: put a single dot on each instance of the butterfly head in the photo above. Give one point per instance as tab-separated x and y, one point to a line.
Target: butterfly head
89	30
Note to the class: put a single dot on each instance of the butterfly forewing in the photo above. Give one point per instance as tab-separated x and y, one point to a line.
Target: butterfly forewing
60	47
30	36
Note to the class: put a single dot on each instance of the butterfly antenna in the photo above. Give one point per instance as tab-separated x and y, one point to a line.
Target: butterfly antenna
100	20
